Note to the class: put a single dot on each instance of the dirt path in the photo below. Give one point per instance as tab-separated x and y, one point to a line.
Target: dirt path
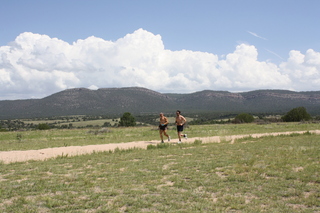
43	154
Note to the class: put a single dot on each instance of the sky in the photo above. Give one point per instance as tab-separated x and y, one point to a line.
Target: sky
169	46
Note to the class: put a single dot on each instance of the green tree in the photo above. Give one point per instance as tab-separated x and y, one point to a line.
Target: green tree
244	118
43	126
127	120
296	114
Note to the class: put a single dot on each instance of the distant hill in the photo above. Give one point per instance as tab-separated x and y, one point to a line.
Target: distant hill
137	100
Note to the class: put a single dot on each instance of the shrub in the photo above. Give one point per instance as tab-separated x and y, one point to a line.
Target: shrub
43	126
106	124
197	142
244	118
127	120
297	114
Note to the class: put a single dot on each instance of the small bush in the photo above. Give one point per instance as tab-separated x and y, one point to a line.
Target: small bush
244	118
19	137
158	146
197	142
43	126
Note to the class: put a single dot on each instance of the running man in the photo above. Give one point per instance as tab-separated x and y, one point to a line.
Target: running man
163	126
180	121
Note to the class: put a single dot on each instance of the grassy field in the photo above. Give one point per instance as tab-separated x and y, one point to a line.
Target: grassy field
40	139
82	123
269	174
98	122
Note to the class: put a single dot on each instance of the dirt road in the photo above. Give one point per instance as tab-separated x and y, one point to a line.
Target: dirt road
43	154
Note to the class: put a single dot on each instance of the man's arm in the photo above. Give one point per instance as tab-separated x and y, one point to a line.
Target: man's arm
184	120
166	121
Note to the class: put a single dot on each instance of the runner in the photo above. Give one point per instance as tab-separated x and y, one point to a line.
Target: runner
180	121
163	126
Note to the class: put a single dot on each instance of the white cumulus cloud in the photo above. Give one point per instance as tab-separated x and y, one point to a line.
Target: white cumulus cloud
245	72
35	66
303	70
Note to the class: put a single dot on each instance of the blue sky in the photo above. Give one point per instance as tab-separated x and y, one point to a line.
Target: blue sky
272	44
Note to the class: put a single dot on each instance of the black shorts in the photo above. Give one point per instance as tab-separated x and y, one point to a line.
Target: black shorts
180	128
164	127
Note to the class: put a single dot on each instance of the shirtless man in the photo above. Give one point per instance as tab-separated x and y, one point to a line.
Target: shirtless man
180	121
163	127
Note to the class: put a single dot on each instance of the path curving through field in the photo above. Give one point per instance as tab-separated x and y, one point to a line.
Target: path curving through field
43	154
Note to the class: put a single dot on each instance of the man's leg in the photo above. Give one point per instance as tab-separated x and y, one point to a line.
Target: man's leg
179	136
161	136
165	133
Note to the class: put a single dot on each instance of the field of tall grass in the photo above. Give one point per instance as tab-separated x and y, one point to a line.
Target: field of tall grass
269	174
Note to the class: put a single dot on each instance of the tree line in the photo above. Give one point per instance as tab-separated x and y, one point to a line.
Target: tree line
127	119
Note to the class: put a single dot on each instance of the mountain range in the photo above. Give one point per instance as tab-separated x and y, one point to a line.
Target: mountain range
137	100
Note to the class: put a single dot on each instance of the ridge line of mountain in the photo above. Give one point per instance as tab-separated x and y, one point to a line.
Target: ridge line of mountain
139	100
